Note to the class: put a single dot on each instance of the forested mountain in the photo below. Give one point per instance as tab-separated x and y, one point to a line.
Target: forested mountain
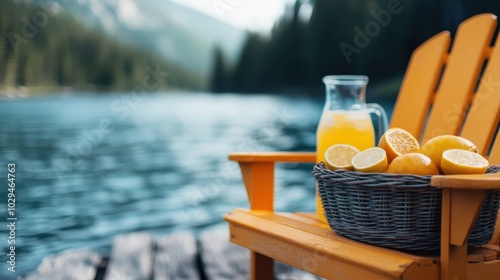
373	37
43	49
164	28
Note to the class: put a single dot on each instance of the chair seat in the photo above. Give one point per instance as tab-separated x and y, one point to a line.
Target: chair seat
303	241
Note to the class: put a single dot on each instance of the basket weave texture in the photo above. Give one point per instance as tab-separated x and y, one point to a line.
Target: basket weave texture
391	210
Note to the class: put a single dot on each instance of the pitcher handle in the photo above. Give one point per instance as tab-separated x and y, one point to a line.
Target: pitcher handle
381	115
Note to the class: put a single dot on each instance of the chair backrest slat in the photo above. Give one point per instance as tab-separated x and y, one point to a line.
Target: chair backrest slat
495	154
482	119
418	87
460	76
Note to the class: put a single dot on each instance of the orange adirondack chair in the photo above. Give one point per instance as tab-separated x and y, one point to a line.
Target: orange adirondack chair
456	107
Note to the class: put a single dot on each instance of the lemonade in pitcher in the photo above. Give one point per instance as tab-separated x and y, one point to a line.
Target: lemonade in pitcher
337	126
346	119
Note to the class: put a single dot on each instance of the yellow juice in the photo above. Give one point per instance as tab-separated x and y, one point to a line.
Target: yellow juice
342	127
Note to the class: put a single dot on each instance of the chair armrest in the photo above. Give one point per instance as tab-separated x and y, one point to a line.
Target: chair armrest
273	157
463	196
257	169
473	182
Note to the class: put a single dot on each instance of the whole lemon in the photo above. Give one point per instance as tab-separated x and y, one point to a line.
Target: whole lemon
413	163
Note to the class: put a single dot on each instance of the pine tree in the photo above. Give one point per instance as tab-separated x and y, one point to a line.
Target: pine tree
219	80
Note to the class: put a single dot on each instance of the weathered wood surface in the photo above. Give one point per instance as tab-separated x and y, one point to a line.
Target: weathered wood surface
177	256
223	262
131	258
77	265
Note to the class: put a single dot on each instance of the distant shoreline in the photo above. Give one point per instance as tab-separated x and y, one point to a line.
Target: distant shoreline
9	92
386	90
26	92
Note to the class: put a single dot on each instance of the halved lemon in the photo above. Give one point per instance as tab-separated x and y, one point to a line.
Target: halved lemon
458	161
396	142
340	156
370	160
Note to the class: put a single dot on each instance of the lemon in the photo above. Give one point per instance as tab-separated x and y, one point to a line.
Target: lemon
340	156
413	163
457	161
435	147
370	160
397	141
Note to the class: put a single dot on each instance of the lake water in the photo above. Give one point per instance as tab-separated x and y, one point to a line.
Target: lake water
90	167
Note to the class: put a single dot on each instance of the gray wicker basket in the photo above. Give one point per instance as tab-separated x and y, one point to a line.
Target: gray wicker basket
395	211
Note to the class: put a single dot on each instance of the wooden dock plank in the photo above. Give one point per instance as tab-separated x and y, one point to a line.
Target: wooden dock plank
222	260
131	258
69	265
175	257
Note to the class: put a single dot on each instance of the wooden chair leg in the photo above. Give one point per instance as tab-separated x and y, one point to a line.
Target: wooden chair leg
453	263
261	267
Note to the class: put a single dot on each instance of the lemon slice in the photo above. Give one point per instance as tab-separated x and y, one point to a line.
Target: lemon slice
397	141
340	156
413	163
435	147
370	160
458	161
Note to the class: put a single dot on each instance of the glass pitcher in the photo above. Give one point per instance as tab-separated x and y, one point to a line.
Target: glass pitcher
346	119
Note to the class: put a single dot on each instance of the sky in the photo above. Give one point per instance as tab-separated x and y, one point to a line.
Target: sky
255	15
